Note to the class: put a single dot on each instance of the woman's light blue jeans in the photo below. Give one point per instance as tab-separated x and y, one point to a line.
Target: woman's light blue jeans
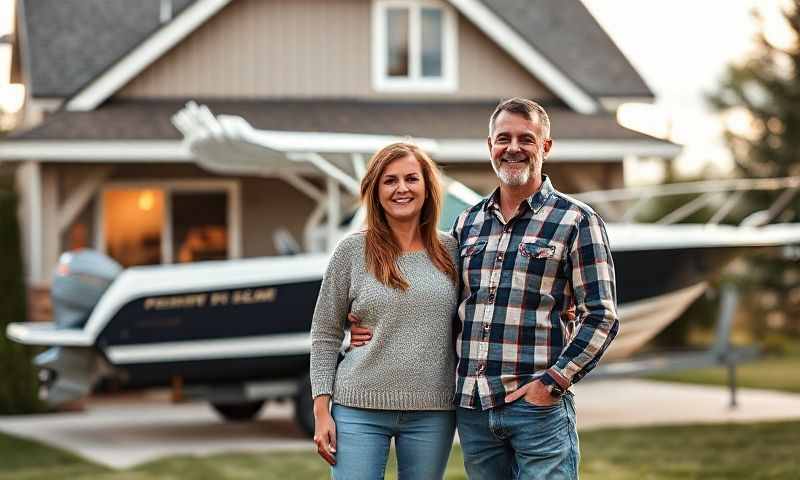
422	439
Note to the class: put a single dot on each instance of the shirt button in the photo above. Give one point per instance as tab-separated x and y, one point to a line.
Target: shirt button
486	327
481	368
499	257
508	229
491	298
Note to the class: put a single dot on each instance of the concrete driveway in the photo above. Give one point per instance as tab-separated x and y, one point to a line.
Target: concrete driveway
124	431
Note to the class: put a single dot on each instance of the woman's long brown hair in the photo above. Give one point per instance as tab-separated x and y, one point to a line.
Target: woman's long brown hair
382	248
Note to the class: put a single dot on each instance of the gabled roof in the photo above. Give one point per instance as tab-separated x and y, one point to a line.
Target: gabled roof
70	42
564	32
550	38
122	131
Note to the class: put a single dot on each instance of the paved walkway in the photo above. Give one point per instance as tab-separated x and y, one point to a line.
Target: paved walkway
123	432
630	402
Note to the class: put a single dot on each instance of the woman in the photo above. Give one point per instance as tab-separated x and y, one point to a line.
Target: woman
398	277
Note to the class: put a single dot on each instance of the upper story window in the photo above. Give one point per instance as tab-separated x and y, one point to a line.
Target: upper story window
413	46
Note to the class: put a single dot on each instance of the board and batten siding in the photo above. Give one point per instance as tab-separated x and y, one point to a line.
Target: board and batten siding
311	49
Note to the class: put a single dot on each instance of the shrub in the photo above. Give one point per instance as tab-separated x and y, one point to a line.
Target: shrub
18	383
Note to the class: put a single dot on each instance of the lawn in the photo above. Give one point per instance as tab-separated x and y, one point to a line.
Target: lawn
731	452
776	372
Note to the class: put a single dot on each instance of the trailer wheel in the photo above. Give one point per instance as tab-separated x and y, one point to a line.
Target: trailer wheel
238	412
304	406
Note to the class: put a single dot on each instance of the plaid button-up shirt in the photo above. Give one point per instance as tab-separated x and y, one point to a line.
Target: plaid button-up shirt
519	277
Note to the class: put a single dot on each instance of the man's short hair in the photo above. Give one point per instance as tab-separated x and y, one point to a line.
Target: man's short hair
524	107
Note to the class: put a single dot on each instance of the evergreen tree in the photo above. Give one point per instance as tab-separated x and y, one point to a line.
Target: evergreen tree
18	383
765	88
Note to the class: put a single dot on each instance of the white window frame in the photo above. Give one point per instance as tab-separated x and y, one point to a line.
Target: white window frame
381	82
234	213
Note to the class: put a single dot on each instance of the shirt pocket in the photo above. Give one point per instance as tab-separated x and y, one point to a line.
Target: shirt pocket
542	257
472	246
472	252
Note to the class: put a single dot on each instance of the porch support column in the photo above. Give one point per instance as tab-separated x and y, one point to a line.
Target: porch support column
334	212
29	185
51	233
313	222
359	165
75	203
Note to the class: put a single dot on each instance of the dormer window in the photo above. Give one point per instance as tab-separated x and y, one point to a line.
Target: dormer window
414	46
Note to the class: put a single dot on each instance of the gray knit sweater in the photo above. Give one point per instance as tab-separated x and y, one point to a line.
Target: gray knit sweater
410	362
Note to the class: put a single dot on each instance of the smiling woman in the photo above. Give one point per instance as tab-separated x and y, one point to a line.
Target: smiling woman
402	189
402	193
400	278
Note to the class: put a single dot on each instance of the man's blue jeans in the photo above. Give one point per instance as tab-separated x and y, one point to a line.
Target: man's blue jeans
423	440
520	441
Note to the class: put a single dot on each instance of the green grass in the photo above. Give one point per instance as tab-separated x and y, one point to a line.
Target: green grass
731	452
25	459
778	372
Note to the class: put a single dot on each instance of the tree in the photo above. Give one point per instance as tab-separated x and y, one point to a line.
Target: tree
763	91
18	384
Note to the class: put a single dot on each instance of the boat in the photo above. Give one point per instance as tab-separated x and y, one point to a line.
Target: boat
237	332
662	267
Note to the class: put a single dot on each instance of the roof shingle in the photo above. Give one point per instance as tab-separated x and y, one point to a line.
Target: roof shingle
567	34
150	120
70	42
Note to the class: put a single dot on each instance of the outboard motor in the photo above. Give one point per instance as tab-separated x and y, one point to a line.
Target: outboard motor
80	279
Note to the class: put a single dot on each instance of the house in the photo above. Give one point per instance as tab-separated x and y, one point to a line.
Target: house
99	163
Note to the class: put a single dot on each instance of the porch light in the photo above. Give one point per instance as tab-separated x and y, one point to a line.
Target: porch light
146	200
12	97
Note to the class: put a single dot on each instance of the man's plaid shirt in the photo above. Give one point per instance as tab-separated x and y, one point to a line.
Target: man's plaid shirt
518	279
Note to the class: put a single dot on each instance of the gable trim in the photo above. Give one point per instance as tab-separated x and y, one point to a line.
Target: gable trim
169	35
523	52
91	151
152	48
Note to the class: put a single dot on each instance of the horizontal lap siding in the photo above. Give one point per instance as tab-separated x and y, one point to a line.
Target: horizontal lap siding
269	204
310	49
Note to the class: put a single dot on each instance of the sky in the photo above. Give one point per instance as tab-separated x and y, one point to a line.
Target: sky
681	47
10	96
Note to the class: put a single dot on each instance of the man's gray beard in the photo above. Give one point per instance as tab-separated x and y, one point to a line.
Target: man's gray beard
512	179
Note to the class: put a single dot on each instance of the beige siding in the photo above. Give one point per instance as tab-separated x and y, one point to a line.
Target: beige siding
487	71
310	48
267	205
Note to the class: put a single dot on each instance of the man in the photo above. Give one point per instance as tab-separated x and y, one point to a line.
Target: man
528	254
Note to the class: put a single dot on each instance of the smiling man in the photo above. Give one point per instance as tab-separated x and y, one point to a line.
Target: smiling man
529	255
